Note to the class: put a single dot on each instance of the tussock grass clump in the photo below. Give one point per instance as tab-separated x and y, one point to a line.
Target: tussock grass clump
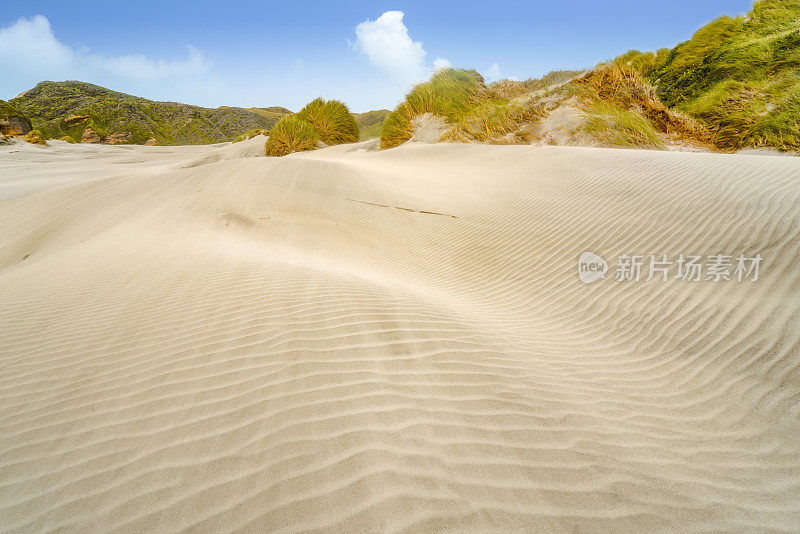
495	121
739	76
291	134
616	95
450	94
645	63
332	121
249	134
476	111
510	89
612	125
555	77
34	137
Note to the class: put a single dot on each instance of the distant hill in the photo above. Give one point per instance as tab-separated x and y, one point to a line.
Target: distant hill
371	123
83	112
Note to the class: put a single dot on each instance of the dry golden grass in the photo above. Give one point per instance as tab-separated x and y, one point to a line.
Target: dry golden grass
476	111
332	120
621	87
34	137
291	134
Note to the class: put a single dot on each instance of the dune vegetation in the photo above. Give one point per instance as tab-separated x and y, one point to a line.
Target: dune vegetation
607	106
291	134
622	110
332	121
34	137
473	110
320	121
738	75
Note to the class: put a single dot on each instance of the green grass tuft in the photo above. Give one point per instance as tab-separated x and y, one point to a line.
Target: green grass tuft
34	137
739	76
614	126
450	93
332	121
476	111
291	134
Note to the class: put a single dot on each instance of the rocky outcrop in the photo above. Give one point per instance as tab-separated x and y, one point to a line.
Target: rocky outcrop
151	142
118	138
15	126
90	136
12	121
74	120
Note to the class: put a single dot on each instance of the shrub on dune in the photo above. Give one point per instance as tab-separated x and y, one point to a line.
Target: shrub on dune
450	94
35	138
614	126
332	121
736	75
291	134
622	110
475	111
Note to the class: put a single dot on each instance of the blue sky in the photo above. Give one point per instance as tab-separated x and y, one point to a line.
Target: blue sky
366	53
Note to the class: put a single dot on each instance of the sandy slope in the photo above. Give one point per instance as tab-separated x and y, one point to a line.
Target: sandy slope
194	338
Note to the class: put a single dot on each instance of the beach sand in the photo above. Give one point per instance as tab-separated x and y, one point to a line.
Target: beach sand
352	340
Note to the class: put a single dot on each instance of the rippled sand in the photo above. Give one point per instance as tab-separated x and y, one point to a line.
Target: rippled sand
346	340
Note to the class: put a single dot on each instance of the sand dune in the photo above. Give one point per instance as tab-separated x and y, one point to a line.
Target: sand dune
353	340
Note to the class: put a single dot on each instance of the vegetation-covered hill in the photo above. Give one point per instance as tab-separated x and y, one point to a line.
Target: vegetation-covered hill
273	112
371	123
740	76
79	111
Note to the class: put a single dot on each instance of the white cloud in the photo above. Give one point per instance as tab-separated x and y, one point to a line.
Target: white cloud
388	46
30	52
441	63
492	73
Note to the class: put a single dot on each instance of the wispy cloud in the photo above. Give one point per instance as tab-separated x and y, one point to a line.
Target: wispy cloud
493	73
30	52
441	63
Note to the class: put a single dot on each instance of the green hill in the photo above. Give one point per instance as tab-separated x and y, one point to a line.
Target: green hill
90	113
371	123
740	76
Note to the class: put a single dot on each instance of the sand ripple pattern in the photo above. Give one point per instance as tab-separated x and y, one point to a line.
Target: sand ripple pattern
346	341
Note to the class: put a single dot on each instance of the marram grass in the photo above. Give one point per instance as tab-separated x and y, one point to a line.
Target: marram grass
291	134
475	111
332	121
739	76
450	94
